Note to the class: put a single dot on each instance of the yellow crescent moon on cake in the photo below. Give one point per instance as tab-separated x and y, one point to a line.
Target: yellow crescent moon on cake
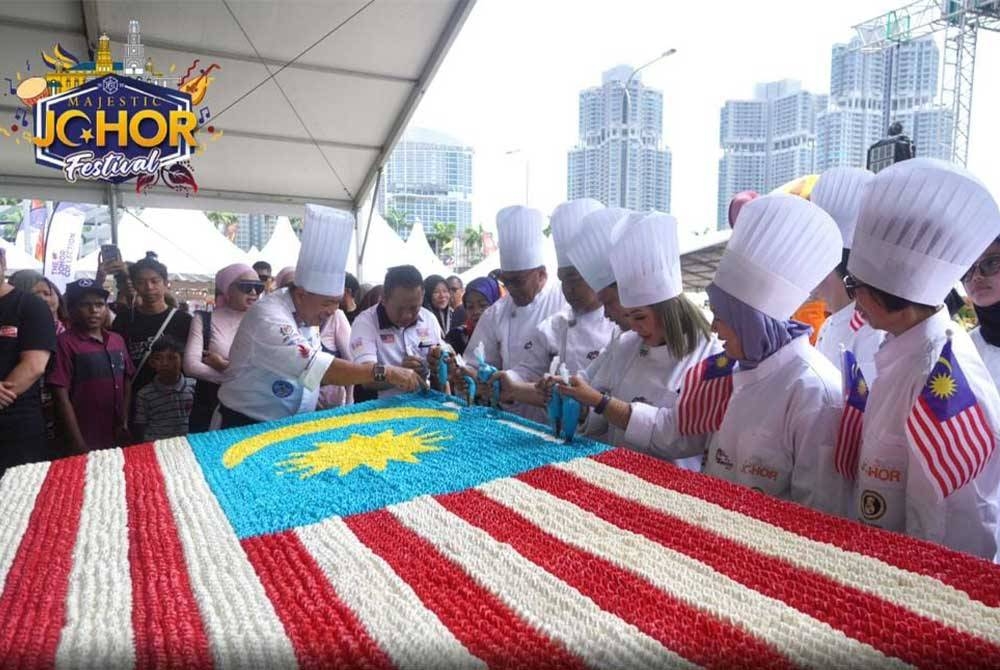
944	361
246	448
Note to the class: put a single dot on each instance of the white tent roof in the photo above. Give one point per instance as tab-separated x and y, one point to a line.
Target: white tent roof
420	254
17	259
310	97
282	249
384	250
135	238
252	255
196	233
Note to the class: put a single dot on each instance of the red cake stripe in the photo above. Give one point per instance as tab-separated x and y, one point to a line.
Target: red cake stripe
480	621
696	635
323	630
169	631
893	630
33	603
972	575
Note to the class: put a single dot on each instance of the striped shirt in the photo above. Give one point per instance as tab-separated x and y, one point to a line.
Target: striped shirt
164	410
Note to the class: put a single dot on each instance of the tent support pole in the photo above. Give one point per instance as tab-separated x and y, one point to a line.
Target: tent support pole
371	212
113	212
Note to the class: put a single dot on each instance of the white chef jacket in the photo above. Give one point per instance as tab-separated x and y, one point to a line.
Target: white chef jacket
275	363
989	353
376	339
778	435
864	343
651	378
892	489
577	339
506	332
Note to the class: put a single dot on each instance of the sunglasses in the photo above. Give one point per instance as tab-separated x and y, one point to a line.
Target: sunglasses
851	285
249	287
264	278
987	266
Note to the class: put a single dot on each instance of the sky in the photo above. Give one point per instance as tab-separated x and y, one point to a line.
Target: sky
512	79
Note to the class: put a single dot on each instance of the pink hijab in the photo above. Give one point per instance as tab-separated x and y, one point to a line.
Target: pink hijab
736	204
225	277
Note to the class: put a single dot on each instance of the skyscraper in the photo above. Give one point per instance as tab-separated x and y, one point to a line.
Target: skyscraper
595	165
254	230
856	115
429	178
766	141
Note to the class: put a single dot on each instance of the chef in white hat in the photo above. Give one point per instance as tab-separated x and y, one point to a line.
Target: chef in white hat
839	192
578	334
922	225
779	429
668	333
277	363
506	328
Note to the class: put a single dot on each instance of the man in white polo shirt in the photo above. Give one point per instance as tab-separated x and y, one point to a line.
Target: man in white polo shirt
398	330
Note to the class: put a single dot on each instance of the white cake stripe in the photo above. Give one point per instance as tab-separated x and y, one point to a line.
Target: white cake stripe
243	629
804	640
18	490
388	608
98	629
918	593
561	612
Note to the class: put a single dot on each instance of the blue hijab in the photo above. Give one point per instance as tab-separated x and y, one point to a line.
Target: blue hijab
760	334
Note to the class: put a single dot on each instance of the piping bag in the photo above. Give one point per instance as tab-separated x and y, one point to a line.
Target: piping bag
484	373
570	409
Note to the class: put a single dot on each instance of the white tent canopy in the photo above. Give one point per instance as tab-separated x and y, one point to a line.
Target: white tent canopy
282	249
198	236
17	259
310	96
383	250
420	254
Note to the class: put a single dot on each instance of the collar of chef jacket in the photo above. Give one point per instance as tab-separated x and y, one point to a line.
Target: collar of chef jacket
797	348
916	341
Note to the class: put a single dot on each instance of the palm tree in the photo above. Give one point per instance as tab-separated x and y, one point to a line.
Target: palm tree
473	241
398	221
222	220
442	236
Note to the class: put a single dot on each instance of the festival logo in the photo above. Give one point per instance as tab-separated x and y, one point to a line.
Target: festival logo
114	121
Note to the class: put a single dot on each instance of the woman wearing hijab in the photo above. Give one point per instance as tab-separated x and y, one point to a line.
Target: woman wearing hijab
479	295
982	284
668	334
772	423
206	357
437	298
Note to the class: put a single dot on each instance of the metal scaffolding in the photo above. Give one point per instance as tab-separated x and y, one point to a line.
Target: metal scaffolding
960	22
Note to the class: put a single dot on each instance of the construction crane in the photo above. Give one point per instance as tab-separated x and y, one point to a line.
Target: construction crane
960	21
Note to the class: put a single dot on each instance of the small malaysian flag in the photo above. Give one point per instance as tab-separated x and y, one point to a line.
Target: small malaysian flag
948	428
856	321
705	395
851	421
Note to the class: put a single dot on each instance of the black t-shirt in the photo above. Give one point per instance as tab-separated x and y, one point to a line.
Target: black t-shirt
25	325
139	330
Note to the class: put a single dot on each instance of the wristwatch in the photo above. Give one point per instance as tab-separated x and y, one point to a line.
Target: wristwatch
378	373
603	404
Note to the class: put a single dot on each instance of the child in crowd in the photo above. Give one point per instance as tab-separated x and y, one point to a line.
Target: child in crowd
91	377
164	405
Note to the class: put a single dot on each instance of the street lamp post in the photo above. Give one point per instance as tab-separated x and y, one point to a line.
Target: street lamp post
623	177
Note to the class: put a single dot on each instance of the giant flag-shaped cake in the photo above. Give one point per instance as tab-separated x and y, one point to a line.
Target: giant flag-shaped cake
414	533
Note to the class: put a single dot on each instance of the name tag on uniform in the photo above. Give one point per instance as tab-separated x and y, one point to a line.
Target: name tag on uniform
8	331
388	338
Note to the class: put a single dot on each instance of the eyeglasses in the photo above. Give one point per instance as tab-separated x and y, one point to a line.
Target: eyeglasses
264	278
454	289
987	266
249	287
851	285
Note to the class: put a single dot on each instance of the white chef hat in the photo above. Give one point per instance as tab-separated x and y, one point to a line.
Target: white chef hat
589	251
522	242
922	224
782	247
566	222
326	239
646	261
839	192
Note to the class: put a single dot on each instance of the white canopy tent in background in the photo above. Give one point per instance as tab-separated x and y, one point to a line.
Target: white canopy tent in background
309	100
420	254
282	249
17	259
383	250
